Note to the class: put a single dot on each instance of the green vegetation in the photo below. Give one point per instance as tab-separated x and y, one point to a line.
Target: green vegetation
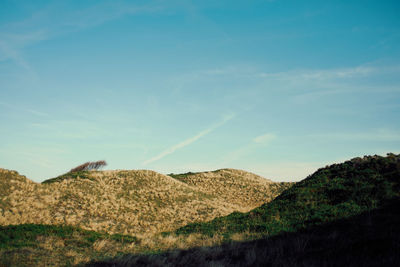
26	235
181	176
69	175
81	171
50	245
335	192
87	166
369	239
343	214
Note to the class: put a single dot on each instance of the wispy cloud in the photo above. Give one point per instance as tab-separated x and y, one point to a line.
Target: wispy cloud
259	141
299	85
12	45
66	129
107	11
381	135
24	110
294	74
306	86
188	141
264	139
38	113
16	36
336	80
322	74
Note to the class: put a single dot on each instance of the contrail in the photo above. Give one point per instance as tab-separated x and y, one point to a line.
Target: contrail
188	141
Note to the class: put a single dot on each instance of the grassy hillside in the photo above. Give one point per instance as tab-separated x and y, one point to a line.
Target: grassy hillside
43	245
343	215
243	189
369	239
126	202
335	192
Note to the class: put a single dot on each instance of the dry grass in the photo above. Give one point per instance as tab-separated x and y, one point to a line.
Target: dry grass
244	190
141	203
130	202
369	239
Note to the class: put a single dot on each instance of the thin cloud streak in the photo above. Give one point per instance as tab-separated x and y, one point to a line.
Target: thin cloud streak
381	135
15	37
257	142
188	141
25	110
323	74
264	139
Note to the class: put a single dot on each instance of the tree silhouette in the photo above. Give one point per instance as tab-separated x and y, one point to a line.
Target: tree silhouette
87	166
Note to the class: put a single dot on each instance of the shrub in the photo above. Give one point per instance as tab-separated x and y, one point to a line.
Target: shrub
95	165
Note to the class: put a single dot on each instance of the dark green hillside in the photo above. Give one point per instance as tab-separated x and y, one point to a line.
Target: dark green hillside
331	193
369	239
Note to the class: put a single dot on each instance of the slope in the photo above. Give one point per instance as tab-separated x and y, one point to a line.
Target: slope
48	245
127	202
243	189
369	239
335	192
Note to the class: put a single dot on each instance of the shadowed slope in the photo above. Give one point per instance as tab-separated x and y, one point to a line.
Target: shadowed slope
334	192
369	239
344	214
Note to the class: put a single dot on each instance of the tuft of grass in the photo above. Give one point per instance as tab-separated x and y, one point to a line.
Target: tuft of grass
181	176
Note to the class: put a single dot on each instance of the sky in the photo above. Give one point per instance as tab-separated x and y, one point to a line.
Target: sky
278	88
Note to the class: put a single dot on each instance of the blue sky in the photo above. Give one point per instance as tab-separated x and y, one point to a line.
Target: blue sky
279	88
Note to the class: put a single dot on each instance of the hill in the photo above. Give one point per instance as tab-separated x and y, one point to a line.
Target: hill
127	202
331	193
242	189
369	239
342	215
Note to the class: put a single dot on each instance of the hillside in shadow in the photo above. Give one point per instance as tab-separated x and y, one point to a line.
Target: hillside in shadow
331	193
343	214
369	239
